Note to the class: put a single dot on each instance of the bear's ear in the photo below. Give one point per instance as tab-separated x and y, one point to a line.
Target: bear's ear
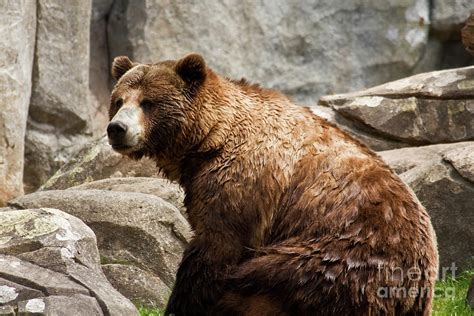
120	66
192	69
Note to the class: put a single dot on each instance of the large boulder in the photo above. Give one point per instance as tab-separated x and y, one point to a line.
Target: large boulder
162	188
17	31
305	48
59	108
97	160
49	265
442	176
428	108
132	228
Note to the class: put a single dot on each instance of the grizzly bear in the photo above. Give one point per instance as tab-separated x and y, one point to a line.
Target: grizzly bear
291	215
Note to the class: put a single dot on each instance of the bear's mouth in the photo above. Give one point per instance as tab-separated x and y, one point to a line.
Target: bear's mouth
121	147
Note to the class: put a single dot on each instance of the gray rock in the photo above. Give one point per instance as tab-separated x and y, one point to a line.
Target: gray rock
409	158
47	236
59	305
17	31
138	285
356	129
111	301
7	311
33	307
440	177
99	66
304	48
462	159
429	108
11	292
95	161
162	188
448	16
52	283
59	108
49	263
136	228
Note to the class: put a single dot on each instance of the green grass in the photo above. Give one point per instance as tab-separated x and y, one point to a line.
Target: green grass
149	311
450	298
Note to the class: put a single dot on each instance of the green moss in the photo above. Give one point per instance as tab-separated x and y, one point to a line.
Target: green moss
456	107
466	84
25	224
408	105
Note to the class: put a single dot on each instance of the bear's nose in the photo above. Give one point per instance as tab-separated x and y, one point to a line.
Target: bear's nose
116	131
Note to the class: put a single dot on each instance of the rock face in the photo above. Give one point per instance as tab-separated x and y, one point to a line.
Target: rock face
59	108
449	16
60	305
162	188
49	265
442	176
138	285
263	42
71	83
17	30
95	161
99	65
429	108
133	228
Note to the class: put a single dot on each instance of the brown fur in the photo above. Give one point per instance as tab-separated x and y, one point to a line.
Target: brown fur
291	215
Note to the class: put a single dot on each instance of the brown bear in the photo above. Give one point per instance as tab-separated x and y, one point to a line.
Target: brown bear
291	215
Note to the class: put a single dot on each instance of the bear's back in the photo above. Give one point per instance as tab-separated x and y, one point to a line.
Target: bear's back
295	175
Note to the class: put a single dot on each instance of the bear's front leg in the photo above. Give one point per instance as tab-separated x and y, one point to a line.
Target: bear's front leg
201	275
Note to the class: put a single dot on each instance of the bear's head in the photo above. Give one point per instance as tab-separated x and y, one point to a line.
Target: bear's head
153	105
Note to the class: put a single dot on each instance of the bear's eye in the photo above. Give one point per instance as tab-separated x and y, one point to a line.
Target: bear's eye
146	104
118	104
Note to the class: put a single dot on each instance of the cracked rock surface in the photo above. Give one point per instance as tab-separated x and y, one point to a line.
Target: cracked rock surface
169	191
442	178
429	108
357	129
57	126
49	265
97	160
138	285
133	228
17	30
236	36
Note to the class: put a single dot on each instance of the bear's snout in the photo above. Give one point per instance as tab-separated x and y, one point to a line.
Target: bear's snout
125	130
116	132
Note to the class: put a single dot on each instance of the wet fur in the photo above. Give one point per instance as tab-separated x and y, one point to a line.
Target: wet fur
291	215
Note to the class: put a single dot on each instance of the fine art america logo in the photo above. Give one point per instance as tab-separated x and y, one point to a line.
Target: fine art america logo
403	283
